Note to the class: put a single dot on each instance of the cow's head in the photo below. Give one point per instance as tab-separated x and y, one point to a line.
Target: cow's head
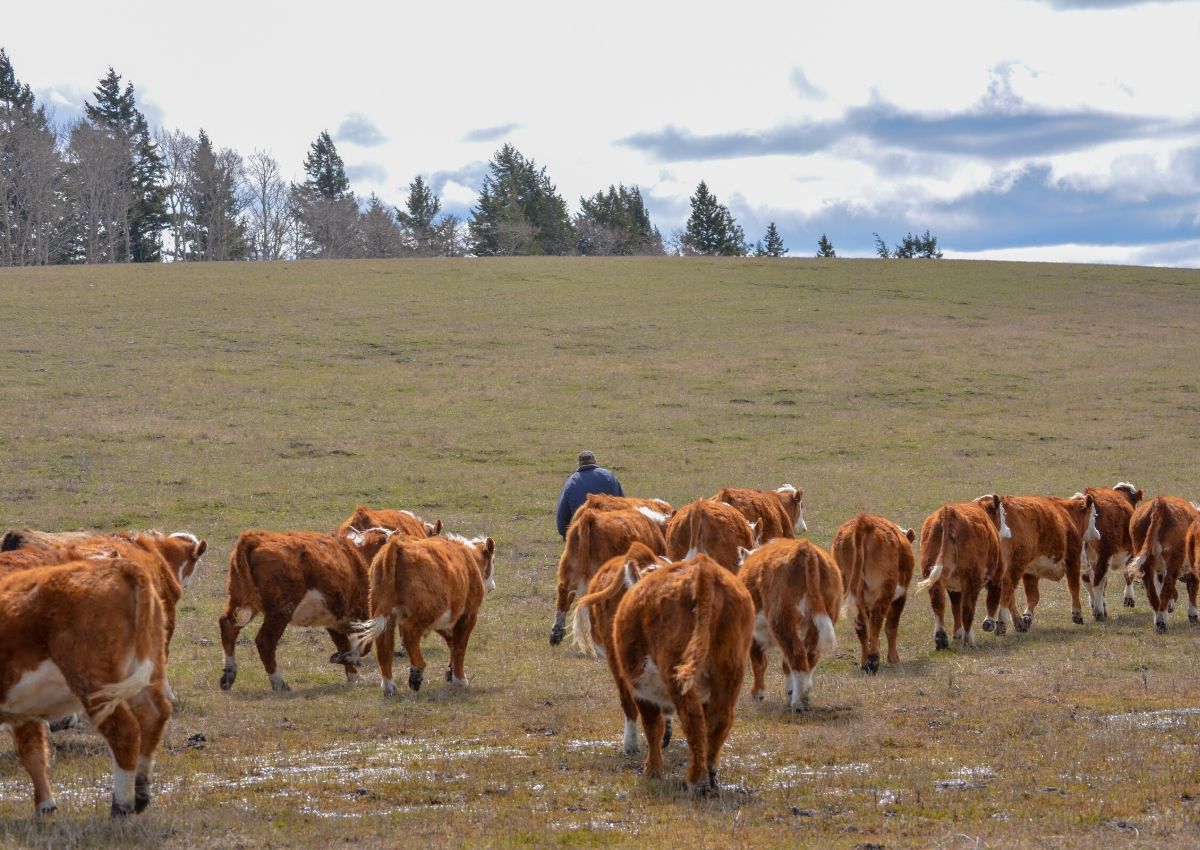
793	504
433	529
1131	492
182	550
994	505
486	547
1081	510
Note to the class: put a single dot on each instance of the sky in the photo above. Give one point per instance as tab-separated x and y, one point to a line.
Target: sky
1041	130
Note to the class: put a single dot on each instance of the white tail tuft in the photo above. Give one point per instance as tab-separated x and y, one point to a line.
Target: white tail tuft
363	633
581	631
826	639
934	575
119	693
850	608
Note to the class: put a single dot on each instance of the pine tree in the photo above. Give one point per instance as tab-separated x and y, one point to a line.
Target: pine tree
381	234
881	249
616	222
772	244
417	218
519	210
325	169
825	247
216	230
115	113
711	229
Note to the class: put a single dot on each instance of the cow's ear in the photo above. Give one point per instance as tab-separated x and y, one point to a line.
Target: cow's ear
996	501
490	546
910	534
798	496
743	554
1137	497
200	549
1090	500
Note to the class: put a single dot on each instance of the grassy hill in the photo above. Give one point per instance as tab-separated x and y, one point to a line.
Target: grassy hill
215	398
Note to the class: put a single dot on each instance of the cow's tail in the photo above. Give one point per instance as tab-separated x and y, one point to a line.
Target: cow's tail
695	529
146	622
581	624
826	639
244	598
382	581
1137	565
939	565
854	548
696	652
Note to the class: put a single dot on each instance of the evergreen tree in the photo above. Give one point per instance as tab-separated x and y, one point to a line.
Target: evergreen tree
825	247
772	244
923	247
881	249
417	218
616	222
325	169
381	234
34	221
215	201
519	210
116	114
711	229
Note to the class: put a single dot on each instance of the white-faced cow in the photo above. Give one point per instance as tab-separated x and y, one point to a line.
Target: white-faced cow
404	522
85	636
592	626
681	637
1159	531
422	585
1110	553
876	558
593	537
960	551
300	578
1046	539
775	513
797	593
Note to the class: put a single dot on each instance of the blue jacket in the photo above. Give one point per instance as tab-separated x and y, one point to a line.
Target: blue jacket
589	479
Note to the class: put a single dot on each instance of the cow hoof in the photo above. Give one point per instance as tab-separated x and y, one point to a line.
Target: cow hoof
48	807
1077	618
1171	607
227	677
1129	603
1100	616
802	706
556	635
278	685
872	665
449	673
940	641
389	688
702	788
666	734
1001	628
415	676
1194	619
1161	627
120	811
1021	625
758	696
1027	618
400	653
988	624
141	796
68	722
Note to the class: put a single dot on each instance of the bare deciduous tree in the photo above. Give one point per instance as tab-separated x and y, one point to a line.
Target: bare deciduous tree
270	224
177	148
99	172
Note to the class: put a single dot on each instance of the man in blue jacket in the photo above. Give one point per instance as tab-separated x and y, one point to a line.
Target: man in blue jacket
589	478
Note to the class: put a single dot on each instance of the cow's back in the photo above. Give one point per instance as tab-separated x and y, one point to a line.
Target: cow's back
760	507
722	530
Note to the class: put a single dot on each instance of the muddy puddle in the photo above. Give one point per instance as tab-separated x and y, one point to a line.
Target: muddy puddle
1166	718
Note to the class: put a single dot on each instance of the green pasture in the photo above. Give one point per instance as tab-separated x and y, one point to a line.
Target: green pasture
219	397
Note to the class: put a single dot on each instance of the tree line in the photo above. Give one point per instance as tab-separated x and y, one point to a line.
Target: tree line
108	189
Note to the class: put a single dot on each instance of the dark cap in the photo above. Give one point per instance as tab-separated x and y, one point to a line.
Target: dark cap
586	458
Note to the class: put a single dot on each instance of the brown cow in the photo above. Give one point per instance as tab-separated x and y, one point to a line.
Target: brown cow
305	578
169	559
405	522
593	623
681	637
658	510
1046	539
775	513
715	528
1110	553
1159	531
430	584
85	636
876	557
797	593
960	551
593	537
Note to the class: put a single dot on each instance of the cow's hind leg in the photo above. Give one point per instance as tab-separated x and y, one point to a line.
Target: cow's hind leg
893	627
228	624
456	673
695	728
874	627
32	742
719	716
267	640
652	727
1193	583
412	633
758	667
1032	595
345	654
937	605
152	711
123	733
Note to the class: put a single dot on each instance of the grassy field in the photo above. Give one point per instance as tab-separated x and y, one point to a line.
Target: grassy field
215	398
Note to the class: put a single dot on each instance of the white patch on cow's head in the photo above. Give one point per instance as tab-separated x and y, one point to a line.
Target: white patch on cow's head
359	538
1092	532
742	554
1128	486
755	533
1005	531
653	515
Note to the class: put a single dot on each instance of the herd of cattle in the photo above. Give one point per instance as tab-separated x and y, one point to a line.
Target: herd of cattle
674	600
